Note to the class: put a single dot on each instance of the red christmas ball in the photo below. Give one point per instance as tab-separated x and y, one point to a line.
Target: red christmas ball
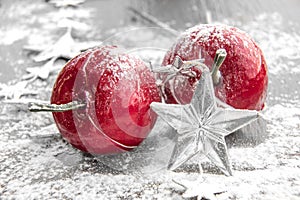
244	71
117	90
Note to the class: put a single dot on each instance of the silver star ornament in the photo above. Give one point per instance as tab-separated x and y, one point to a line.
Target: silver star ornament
202	126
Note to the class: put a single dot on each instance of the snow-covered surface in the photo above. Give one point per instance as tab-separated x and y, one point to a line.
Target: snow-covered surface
36	163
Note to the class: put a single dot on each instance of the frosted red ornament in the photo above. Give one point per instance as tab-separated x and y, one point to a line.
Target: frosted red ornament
244	72
117	90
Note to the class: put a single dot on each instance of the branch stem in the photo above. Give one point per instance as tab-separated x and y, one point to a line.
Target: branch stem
47	107
153	20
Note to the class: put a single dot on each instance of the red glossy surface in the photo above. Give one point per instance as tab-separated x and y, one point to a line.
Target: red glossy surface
118	90
244	71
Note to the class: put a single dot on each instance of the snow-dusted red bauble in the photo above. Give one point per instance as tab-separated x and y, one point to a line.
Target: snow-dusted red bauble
117	90
244	72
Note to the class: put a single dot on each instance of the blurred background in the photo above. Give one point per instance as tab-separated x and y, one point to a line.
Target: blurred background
25	22
273	24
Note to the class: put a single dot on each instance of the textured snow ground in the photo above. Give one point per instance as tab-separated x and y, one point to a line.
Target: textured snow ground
36	163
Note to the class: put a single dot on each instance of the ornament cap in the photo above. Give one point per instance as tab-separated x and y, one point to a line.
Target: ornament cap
218	61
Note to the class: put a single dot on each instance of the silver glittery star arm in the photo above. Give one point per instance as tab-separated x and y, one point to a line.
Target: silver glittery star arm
216	152
186	147
180	117
232	120
204	98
